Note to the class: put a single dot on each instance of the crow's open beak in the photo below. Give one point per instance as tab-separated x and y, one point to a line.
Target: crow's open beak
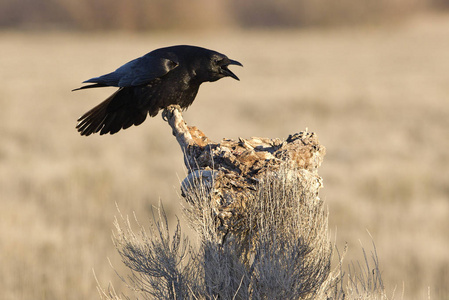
228	72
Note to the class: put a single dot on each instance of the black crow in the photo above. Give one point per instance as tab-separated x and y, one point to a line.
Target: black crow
163	77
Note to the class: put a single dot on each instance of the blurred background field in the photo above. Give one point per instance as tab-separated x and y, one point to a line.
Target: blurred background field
371	81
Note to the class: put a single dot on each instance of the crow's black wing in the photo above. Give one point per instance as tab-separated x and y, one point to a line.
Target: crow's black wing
143	70
136	72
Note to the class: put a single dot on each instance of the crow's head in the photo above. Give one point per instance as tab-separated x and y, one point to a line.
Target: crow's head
215	65
218	67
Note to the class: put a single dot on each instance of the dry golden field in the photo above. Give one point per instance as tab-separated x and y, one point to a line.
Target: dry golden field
376	96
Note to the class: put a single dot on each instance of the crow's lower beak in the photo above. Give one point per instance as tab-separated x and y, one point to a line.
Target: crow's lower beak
228	72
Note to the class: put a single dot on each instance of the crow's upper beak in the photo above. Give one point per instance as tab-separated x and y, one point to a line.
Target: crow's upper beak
228	72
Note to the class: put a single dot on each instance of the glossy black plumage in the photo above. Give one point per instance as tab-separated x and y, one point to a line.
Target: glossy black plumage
163	77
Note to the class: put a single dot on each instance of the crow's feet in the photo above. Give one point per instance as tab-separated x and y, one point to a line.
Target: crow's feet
168	111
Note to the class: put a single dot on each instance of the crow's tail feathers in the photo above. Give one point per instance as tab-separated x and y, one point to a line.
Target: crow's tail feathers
111	115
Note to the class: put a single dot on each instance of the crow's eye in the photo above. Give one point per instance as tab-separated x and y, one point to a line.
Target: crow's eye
218	61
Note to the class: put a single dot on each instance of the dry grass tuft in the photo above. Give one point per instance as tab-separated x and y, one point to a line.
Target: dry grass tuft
158	261
365	278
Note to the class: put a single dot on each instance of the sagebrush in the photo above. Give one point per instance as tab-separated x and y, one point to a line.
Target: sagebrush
286	253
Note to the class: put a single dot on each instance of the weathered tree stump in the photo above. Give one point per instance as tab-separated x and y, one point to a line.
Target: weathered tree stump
230	171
